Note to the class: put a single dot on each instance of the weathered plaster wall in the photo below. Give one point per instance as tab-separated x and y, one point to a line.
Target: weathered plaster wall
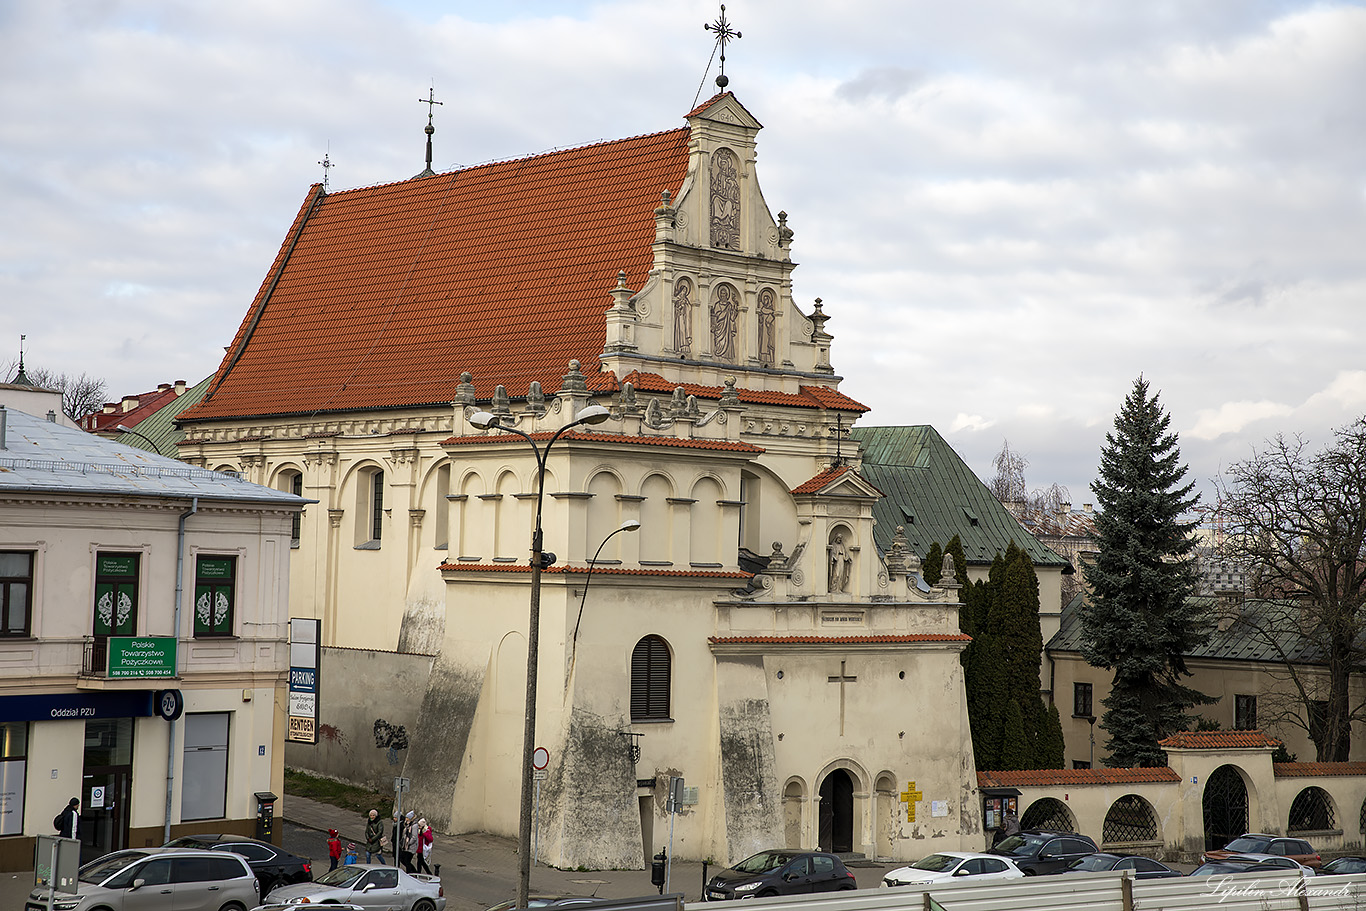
367	712
749	782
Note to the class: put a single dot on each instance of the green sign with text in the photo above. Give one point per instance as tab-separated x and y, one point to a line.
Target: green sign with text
142	656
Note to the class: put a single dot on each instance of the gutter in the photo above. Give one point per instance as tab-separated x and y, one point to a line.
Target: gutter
175	628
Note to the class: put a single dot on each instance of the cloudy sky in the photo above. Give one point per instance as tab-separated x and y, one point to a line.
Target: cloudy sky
1010	209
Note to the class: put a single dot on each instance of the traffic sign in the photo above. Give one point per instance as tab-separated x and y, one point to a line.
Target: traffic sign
540	758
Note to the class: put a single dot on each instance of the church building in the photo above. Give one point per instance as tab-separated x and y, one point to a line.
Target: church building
717	608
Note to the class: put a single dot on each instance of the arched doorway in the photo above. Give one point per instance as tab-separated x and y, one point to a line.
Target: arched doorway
837	813
1225	805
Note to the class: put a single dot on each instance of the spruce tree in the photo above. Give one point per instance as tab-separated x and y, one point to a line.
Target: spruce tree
932	567
1049	746
1139	620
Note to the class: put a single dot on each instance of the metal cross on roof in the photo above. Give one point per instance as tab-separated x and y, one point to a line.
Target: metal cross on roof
724	35
327	166
431	102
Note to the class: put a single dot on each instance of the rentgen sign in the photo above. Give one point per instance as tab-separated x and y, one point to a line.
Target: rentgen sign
142	656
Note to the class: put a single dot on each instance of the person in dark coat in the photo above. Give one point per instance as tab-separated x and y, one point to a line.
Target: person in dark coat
69	818
374	838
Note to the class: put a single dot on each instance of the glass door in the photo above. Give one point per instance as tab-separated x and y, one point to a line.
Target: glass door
106	783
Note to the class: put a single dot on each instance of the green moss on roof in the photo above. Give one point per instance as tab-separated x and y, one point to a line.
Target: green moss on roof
933	495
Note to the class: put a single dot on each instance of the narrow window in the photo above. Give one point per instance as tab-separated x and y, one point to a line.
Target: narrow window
1244	713
215	595
650	673
1081	700
296	487
377	505
16	592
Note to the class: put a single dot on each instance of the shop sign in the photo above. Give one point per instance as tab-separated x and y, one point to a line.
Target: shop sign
142	656
305	639
77	706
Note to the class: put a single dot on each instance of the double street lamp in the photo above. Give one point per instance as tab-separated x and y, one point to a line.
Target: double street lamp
593	414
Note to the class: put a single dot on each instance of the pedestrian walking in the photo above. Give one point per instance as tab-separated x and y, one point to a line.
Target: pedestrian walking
334	849
67	821
425	838
374	838
406	840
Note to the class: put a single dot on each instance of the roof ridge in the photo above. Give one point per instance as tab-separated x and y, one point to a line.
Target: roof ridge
531	156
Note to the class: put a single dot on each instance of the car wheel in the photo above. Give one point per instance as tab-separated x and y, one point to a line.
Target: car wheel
424	905
232	906
847	888
767	893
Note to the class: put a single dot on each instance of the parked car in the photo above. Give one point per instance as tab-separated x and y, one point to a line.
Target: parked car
273	866
1340	865
946	865
368	885
1251	863
1143	867
781	873
1296	849
157	879
541	901
1041	851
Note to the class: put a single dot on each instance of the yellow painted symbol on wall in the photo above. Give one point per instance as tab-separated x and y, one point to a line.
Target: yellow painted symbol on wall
909	798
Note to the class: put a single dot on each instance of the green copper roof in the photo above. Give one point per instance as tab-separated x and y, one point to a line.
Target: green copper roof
160	427
933	495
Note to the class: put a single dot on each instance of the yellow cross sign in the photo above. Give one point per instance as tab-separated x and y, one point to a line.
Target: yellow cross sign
909	798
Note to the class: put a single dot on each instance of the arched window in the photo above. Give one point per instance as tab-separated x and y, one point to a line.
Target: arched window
1048	813
369	508
1312	811
650	673
291	481
1131	818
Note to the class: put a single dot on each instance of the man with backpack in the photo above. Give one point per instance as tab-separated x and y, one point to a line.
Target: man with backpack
66	821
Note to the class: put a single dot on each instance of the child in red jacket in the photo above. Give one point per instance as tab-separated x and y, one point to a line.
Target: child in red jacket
334	848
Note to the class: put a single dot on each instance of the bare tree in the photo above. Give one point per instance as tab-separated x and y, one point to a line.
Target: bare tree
1295	520
1009	484
81	395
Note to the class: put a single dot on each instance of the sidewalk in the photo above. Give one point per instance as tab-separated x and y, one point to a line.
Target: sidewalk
478	870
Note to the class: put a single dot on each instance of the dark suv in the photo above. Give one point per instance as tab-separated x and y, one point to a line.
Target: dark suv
1040	851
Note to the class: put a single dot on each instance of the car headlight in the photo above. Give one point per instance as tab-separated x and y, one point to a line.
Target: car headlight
67	904
748	887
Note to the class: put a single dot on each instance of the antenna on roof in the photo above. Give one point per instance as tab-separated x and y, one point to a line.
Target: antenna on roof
327	165
724	35
430	101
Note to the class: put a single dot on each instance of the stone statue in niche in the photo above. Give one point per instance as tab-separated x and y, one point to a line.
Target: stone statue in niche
725	200
840	565
683	317
767	311
725	312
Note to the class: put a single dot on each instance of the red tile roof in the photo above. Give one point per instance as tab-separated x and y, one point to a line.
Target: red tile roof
1217	740
806	397
1316	769
1073	777
610	570
149	403
822	479
620	438
382	296
843	640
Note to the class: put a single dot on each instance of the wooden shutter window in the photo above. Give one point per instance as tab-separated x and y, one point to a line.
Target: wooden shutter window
650	673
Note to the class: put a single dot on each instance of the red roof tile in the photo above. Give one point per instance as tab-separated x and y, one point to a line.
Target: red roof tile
1216	740
1073	777
621	438
822	479
597	570
149	403
382	296
806	397
843	640
1316	769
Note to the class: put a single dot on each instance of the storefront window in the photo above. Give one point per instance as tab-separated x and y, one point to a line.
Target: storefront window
13	773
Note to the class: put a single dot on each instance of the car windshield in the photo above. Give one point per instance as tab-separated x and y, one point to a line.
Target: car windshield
1092	862
937	863
341	877
1345	865
1020	845
1248	845
97	871
763	862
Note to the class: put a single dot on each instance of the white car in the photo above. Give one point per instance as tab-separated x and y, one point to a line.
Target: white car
947	865
371	886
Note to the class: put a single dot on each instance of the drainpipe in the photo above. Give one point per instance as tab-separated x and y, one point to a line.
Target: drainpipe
175	631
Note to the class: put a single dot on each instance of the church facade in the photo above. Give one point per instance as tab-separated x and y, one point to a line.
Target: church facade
750	637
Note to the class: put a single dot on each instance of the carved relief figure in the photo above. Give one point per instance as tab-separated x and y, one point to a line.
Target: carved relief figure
767	311
840	564
683	317
725	311
725	200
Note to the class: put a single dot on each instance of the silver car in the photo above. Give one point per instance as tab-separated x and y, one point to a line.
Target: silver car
371	886
157	879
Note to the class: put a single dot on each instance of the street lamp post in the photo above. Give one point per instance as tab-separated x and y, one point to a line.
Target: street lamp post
121	428
593	414
628	525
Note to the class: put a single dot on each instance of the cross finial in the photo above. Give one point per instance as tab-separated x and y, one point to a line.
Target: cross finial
724	35
327	166
431	102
